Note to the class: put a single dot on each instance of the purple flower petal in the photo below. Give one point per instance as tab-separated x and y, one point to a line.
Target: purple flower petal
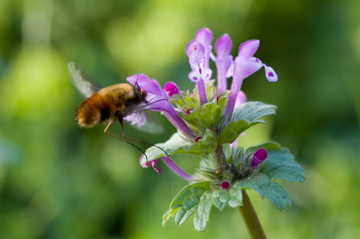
159	103
200	74
248	49
150	163
171	89
230	72
246	68
223	61
138	118
206	74
204	35
137	78
172	165
223	46
195	50
270	74
240	99
145	83
194	76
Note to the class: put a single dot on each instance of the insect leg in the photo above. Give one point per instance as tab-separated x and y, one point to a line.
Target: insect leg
123	133
106	129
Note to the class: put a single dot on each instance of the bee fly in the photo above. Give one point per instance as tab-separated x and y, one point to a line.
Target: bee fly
106	104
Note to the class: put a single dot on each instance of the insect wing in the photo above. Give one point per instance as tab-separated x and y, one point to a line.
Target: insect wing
82	81
152	125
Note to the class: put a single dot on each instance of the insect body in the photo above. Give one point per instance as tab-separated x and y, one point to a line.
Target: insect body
106	104
109	104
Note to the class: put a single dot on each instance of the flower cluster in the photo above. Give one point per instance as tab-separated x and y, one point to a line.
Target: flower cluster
200	52
209	121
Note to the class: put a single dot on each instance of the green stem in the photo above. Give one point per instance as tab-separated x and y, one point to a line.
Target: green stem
219	155
250	218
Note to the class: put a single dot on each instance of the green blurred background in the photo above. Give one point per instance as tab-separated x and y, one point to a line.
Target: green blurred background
59	181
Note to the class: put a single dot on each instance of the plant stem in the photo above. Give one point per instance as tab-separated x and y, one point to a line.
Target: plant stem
219	155
250	218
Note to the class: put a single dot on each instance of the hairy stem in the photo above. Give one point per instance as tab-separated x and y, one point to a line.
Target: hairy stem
219	154
250	218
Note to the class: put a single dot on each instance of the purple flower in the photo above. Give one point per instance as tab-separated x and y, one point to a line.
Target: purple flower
223	61
205	37
172	165
259	156
150	163
156	100
171	89
240	99
138	118
225	185
244	66
198	51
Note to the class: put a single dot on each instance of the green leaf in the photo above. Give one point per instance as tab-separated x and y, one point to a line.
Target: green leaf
178	145
187	202
208	116
234	129
169	214
203	211
174	145
251	111
279	164
221	198
206	145
267	146
236	196
184	214
278	195
257	183
262	184
244	117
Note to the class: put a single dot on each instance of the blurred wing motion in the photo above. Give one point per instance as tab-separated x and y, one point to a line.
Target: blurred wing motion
152	125
82	81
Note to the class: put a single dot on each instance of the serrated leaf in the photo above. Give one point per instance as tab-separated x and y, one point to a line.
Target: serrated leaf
186	202
185	216
234	129
169	214
174	145
207	144
267	146
280	165
257	183
186	100
244	117
208	116
193	191
277	195
220	198
251	111
203	211
266	188
177	145
235	196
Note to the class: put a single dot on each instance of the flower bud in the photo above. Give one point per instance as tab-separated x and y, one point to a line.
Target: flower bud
259	156
171	89
225	185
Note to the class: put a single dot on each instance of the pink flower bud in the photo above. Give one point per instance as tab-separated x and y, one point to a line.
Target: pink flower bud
171	89
259	156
